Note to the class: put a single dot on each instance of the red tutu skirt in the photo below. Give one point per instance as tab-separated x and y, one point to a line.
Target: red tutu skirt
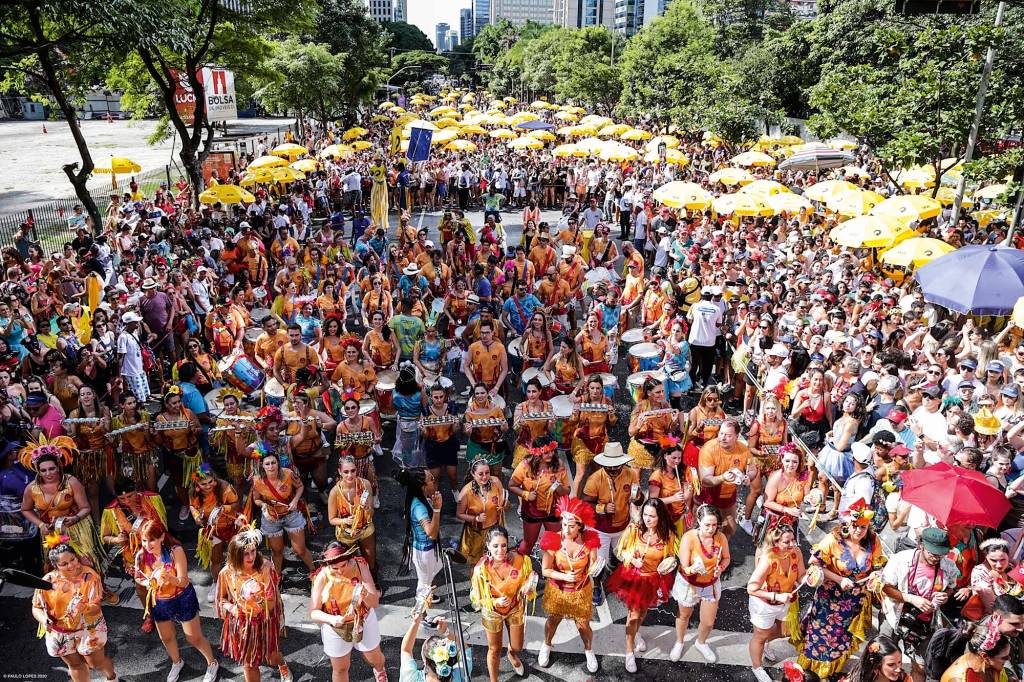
637	591
248	640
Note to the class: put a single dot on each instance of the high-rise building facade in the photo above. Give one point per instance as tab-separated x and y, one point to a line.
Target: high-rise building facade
441	37
453	39
381	10
466	28
401	11
481	14
521	11
584	13
633	15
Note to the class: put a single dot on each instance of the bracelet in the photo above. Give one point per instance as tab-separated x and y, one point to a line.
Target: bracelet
435	510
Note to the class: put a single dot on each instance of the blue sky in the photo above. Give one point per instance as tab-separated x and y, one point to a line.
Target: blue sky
427	13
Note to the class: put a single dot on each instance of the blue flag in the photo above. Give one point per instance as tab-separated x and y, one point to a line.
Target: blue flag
419	144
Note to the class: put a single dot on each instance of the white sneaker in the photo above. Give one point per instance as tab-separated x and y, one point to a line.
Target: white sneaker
544	656
639	643
761	675
285	673
747	526
211	672
705	651
677	652
630	663
376	502
591	661
183	514
211	594
768	654
175	672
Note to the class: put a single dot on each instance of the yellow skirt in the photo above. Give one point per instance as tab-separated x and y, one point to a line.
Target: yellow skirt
581	454
642	458
86	541
473	543
519	455
342	534
575	605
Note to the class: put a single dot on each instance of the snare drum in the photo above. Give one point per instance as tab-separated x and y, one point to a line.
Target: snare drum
259	314
632	336
249	339
386	380
634	382
241	373
213	404
535	372
610	382
561	406
644	357
368	407
274	392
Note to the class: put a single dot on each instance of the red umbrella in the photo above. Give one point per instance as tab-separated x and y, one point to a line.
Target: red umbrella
954	495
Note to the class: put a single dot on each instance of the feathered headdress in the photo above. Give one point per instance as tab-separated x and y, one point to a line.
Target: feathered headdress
576	508
266	415
858	513
202	473
230	391
62	448
54	539
250	536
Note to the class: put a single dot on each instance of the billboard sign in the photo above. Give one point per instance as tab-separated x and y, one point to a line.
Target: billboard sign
219	86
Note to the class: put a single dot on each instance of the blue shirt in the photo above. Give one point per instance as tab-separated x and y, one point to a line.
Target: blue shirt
483	288
359	226
527	304
420	512
192	399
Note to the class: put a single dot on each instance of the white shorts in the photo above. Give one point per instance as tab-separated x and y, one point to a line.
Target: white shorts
519	192
689	595
764	615
336	647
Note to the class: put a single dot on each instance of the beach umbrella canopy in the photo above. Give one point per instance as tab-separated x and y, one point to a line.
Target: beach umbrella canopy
287	174
823	191
867	231
678	194
534	125
304	165
854	203
670	141
916	251
908	208
817	159
742	205
613	129
337	151
543	135
361	145
977	279
764	188
752	159
567	150
787	202
268	162
618	152
526	142
955	496
635	134
503	134
117	165
460	146
991	192
289	150
731	176
354	133
256	175
444	136
226	194
671	156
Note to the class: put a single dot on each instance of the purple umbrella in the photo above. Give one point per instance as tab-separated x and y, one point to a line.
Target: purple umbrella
983	280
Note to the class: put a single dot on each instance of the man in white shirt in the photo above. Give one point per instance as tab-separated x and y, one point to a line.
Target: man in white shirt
129	351
705	320
928	422
592	215
664	244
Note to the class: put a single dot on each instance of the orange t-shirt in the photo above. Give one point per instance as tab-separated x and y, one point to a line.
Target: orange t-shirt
487	361
712	455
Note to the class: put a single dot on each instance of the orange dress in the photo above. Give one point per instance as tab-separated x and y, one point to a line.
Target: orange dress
382	353
336	587
548	485
251	631
277	494
591	432
594	352
362	378
642	587
358	509
668	485
492	580
72	607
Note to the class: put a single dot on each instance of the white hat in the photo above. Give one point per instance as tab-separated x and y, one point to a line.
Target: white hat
472	298
568	251
411	269
778	351
131	316
244	225
716	291
862	453
613	456
429	244
148	283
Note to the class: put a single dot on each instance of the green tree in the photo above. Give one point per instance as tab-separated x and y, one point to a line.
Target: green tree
778	71
306	79
740	23
424	65
402	36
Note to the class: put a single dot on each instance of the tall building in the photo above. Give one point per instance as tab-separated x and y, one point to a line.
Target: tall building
453	39
521	11
466	28
441	37
401	10
584	13
481	14
633	15
381	10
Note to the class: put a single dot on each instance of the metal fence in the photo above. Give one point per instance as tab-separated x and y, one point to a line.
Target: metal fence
50	219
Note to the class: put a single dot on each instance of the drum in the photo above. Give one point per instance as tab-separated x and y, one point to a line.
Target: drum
368	407
515	348
535	372
632	336
561	406
596	275
213	403
274	392
610	382
241	373
386	380
634	382
259	314
644	357
249	339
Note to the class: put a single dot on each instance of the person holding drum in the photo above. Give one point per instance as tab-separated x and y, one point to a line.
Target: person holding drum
652	420
428	352
350	511
456	307
380	345
532	418
354	372
180	444
765	438
487	361
537	481
705	418
518	309
378	299
293	356
309	455
556	294
331	347
676	364
439	429
481	506
592	417
568	369
592	346
269	342
537	344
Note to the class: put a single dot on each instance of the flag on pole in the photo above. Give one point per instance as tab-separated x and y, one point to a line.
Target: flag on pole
419	144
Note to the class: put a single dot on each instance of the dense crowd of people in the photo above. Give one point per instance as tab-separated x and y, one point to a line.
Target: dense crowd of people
259	356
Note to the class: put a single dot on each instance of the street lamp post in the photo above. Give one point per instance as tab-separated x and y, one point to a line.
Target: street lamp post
404	68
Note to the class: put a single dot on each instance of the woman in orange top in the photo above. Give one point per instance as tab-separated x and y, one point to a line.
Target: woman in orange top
137	456
536	342
278	492
592	345
249	602
481	507
644	578
456	309
590	429
161	567
215	508
440	441
528	430
668	483
350	511
94	461
485	441
343	603
538	481
772	589
766	436
569	563
360	452
567	367
354	374
377	299
71	616
380	345
703	556
502	583
706	417
652	419
784	493
332	346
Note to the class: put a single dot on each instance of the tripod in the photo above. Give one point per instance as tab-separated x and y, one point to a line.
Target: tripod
447	556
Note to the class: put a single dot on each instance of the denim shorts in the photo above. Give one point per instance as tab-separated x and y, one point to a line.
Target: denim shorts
275	528
181	608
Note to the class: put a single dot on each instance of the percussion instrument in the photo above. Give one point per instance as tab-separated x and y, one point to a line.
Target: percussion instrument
498	401
515	347
230	427
301	420
644	357
260	293
631	336
172	425
535	372
386	380
655	413
153	406
82	420
212	398
439	421
240	418
368	407
595	407
126	429
274	392
355	438
259	314
249	338
537	416
562	406
595	275
481	423
635	381
437	306
241	373
610	382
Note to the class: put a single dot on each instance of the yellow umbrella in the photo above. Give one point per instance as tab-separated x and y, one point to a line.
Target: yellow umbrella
444	136
497	104
840	143
268	162
289	150
671	156
709	139
765	188
567	150
854	172
398	110
867	231
304	165
908	208
473	129
257	175
635	134
618	152
671	142
731	176
524	116
854	203
469	97
613	129
503	134
916	252
118	166
741	205
752	159
360	145
678	194
460	146
337	151
590	145
446	122
539	104
915	178
287	174
443	110
226	194
526	142
385	105
986	216
952	167
823	191
543	135
787	202
992	192
354	133
583	130
790	140
946	195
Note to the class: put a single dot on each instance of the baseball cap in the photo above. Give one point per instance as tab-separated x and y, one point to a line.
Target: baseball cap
970	363
862	453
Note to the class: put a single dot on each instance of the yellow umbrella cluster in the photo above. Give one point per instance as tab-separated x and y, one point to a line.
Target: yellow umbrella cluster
226	194
289	150
916	251
680	194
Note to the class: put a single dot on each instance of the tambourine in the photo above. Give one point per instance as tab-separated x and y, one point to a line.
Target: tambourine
814	576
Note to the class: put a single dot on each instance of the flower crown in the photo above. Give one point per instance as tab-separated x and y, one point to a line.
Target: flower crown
444	655
62	448
858	513
351	340
55	539
173	390
351	395
543	449
668	441
267	414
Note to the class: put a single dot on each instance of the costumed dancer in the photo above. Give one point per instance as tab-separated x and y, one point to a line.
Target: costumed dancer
669	483
481	507
527	422
216	508
485	441
94	461
379	194
766	437
278	492
180	444
503	582
249	602
137	453
590	433
570	563
350	511
361	452
652	419
234	443
773	587
538	481
441	441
